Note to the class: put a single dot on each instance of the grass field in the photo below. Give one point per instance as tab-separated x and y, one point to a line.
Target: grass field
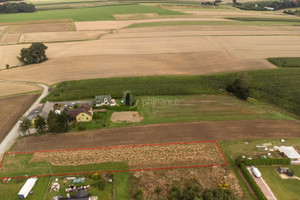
285	62
276	86
282	188
86	14
182	23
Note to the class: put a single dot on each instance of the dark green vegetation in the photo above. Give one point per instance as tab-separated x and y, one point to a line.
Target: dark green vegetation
21	7
240	86
86	14
276	86
57	123
285	62
34	54
260	5
292	12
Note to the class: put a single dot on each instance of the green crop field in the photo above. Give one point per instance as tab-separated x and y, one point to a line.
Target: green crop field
276	86
86	14
286	62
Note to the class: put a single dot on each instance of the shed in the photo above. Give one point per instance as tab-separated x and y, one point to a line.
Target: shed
27	187
290	152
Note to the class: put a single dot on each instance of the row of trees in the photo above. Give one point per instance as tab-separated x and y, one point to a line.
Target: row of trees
56	123
192	191
17	7
277	5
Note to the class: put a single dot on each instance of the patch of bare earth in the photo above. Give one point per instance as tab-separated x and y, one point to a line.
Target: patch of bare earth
142	157
163	133
10	38
12	108
208	178
127	116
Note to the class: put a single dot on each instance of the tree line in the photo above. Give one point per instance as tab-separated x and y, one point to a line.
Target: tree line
21	7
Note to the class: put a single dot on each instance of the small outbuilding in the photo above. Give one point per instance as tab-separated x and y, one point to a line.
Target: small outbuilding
290	152
27	187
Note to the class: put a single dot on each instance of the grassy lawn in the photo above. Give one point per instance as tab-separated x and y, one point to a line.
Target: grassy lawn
248	147
121	185
85	14
276	86
282	188
11	189
19	165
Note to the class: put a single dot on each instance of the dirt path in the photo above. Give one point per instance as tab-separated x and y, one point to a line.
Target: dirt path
163	133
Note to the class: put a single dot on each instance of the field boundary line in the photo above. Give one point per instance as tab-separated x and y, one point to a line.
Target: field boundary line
114	171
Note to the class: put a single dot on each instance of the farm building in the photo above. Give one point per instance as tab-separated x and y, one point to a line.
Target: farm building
42	111
27	187
290	152
82	114
104	100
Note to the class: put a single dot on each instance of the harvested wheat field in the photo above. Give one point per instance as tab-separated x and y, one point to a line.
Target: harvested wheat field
60	36
208	177
10	38
8	88
127	116
139	157
12	108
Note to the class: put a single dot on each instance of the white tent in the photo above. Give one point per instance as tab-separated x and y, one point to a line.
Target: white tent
291	153
27	187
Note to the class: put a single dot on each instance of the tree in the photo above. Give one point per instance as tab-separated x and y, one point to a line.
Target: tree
40	124
240	86
234	2
36	53
25	125
57	123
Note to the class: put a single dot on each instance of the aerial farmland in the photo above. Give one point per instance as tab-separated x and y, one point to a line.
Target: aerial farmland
142	100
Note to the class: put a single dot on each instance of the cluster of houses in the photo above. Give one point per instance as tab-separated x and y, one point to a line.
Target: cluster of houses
84	113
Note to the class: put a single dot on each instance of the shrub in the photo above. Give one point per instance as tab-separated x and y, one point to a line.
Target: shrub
267	161
17	7
240	86
138	195
260	195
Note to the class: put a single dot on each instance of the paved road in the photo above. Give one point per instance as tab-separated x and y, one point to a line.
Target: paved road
12	136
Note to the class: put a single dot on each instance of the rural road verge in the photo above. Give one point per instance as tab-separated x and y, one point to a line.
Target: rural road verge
12	136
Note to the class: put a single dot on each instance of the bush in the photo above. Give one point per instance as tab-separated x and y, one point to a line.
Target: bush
260	195
240	86
36	53
138	195
267	161
17	7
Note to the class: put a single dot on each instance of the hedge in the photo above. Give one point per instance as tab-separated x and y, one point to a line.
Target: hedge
259	194
117	108
267	161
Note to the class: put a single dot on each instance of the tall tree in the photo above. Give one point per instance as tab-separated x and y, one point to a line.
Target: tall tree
36	53
240	86
40	124
25	125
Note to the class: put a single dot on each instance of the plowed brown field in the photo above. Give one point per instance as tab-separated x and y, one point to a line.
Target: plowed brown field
12	108
163	133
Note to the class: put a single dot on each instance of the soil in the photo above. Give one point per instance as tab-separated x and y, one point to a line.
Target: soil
136	16
10	38
128	116
163	133
12	108
208	177
142	157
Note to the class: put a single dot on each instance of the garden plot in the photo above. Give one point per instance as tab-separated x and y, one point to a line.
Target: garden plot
60	36
128	116
139	157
